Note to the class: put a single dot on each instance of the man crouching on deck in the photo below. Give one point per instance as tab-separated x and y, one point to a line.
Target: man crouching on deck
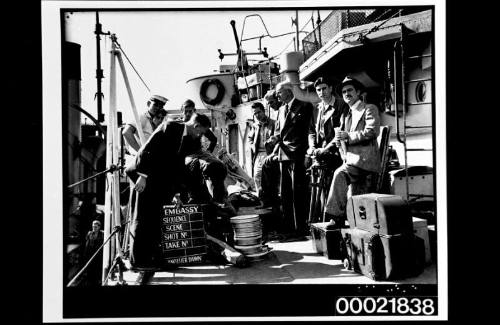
158	173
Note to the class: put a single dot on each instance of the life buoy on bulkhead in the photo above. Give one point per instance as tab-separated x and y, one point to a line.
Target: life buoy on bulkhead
220	91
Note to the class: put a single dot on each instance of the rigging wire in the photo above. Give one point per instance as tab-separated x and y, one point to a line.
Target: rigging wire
291	41
116	229
133	67
375	28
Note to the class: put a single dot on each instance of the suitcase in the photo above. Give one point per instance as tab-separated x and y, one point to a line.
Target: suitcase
361	250
327	241
421	231
433	241
383	257
382	214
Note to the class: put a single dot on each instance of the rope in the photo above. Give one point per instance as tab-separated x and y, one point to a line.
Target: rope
70	283
126	57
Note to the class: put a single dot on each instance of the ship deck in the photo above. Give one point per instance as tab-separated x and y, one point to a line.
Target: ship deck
287	263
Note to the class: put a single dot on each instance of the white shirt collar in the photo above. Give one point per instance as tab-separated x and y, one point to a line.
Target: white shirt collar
330	103
356	105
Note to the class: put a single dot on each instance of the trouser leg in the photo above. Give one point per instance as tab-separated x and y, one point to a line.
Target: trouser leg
214	172
299	190
271	182
258	173
337	196
293	196
145	232
197	190
287	223
344	176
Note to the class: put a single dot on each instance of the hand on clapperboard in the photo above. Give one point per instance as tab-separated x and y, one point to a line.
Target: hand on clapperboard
177	200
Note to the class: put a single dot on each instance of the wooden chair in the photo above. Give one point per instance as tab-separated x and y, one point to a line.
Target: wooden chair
373	183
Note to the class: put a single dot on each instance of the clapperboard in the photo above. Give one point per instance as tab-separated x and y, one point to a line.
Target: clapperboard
183	235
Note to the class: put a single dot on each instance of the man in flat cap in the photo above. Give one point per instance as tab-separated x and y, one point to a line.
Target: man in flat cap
149	121
357	142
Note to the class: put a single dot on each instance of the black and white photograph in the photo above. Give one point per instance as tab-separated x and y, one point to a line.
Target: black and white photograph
244	160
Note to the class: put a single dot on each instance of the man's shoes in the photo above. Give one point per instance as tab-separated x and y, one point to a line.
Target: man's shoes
144	268
265	205
335	222
274	236
225	209
144	277
293	237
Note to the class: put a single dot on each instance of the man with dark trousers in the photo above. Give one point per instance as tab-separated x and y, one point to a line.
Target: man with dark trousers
292	130
158	173
206	173
322	148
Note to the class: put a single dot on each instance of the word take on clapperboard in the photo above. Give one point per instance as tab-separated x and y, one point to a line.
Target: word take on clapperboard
183	235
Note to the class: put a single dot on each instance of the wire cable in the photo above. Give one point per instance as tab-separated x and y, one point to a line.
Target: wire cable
133	67
117	228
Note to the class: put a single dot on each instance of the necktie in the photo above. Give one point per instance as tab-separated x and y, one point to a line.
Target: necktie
348	122
286	110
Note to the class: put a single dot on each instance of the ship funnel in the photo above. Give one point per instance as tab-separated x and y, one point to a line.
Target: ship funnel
290	63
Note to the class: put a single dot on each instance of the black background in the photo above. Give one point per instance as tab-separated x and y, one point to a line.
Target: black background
470	258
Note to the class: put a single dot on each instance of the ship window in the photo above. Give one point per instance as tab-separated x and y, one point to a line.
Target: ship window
420	92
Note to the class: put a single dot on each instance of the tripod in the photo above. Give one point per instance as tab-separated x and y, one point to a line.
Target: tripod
321	177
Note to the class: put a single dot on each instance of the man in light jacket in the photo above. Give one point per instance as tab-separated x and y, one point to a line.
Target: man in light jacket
357	142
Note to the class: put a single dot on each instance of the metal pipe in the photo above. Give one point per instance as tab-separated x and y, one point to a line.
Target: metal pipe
142	137
99	72
70	283
233	25
93	119
403	83
111	168
108	203
396	113
297	28
318	23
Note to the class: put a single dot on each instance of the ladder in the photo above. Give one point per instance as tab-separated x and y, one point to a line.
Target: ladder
399	50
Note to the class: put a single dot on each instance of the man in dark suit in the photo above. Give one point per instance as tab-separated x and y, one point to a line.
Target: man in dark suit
158	172
292	130
322	148
359	128
321	144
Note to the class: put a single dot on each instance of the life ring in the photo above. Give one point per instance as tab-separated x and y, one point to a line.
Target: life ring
220	91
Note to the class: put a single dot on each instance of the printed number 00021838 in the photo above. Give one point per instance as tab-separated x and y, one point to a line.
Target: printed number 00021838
386	306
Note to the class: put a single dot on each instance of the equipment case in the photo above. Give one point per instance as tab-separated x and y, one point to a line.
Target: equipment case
383	257
382	214
327	241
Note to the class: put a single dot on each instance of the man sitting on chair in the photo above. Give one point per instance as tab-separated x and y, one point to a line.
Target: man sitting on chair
357	142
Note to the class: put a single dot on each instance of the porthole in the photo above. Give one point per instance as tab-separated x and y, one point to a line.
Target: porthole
420	92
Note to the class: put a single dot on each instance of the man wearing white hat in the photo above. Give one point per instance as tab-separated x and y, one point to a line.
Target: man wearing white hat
149	121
